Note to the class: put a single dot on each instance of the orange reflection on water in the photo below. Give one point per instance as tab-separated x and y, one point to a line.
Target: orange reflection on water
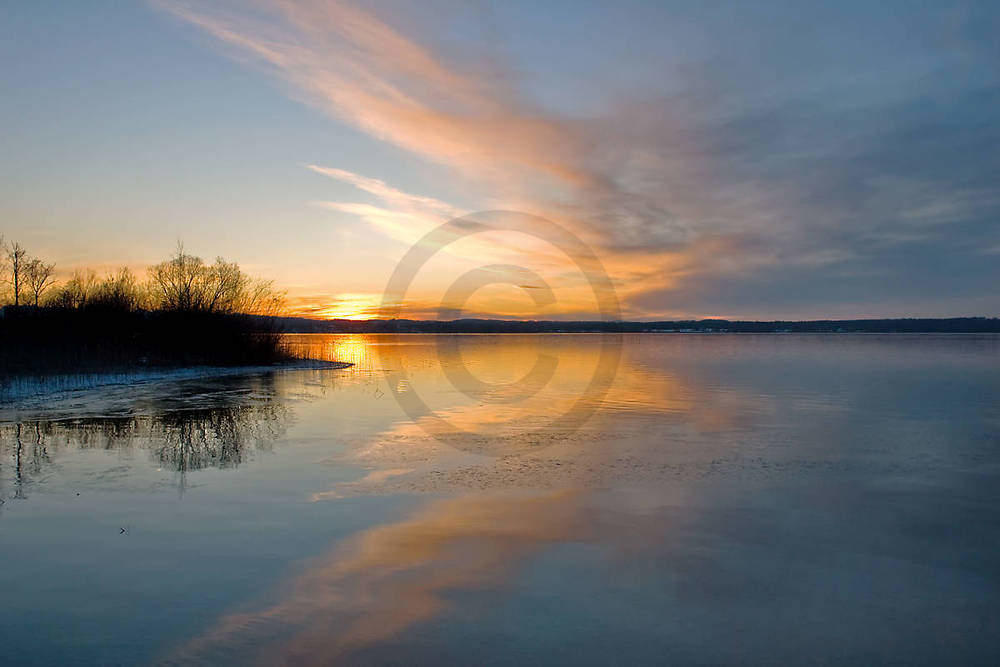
506	441
355	349
394	576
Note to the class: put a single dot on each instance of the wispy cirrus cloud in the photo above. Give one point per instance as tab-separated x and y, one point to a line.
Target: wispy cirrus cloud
390	195
355	65
762	163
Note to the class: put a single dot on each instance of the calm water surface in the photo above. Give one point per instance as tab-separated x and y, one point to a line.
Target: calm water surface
578	499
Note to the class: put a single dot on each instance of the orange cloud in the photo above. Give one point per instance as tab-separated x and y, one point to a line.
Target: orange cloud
634	188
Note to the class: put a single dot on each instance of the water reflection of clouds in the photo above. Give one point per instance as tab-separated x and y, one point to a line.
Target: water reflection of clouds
395	576
507	444
669	419
392	577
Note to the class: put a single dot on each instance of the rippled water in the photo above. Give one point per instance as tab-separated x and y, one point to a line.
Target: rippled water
585	499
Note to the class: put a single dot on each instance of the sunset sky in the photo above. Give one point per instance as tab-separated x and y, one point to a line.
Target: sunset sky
751	160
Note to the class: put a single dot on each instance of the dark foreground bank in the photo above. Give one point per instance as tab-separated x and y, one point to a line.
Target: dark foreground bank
58	340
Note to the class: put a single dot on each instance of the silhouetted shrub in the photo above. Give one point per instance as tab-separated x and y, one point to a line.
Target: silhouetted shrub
104	337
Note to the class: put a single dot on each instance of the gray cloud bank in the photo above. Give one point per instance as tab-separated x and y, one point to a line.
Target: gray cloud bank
781	159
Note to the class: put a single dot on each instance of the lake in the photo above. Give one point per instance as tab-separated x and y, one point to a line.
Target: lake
503	499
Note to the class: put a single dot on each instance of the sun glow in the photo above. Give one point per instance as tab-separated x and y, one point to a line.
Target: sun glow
349	307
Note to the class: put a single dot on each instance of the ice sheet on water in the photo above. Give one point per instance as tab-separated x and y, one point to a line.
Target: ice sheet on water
108	394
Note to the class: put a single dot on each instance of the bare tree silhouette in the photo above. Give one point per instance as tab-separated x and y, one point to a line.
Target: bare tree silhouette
186	283
185	312
39	276
78	290
119	291
3	260
17	260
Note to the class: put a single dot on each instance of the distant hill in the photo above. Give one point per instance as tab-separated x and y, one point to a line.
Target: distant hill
921	325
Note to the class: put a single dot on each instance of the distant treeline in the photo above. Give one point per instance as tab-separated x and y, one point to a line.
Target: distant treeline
923	325
182	312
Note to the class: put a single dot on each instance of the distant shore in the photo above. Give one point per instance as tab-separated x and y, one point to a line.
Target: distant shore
901	325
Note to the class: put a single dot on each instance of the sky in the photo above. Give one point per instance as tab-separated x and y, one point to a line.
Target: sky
759	160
